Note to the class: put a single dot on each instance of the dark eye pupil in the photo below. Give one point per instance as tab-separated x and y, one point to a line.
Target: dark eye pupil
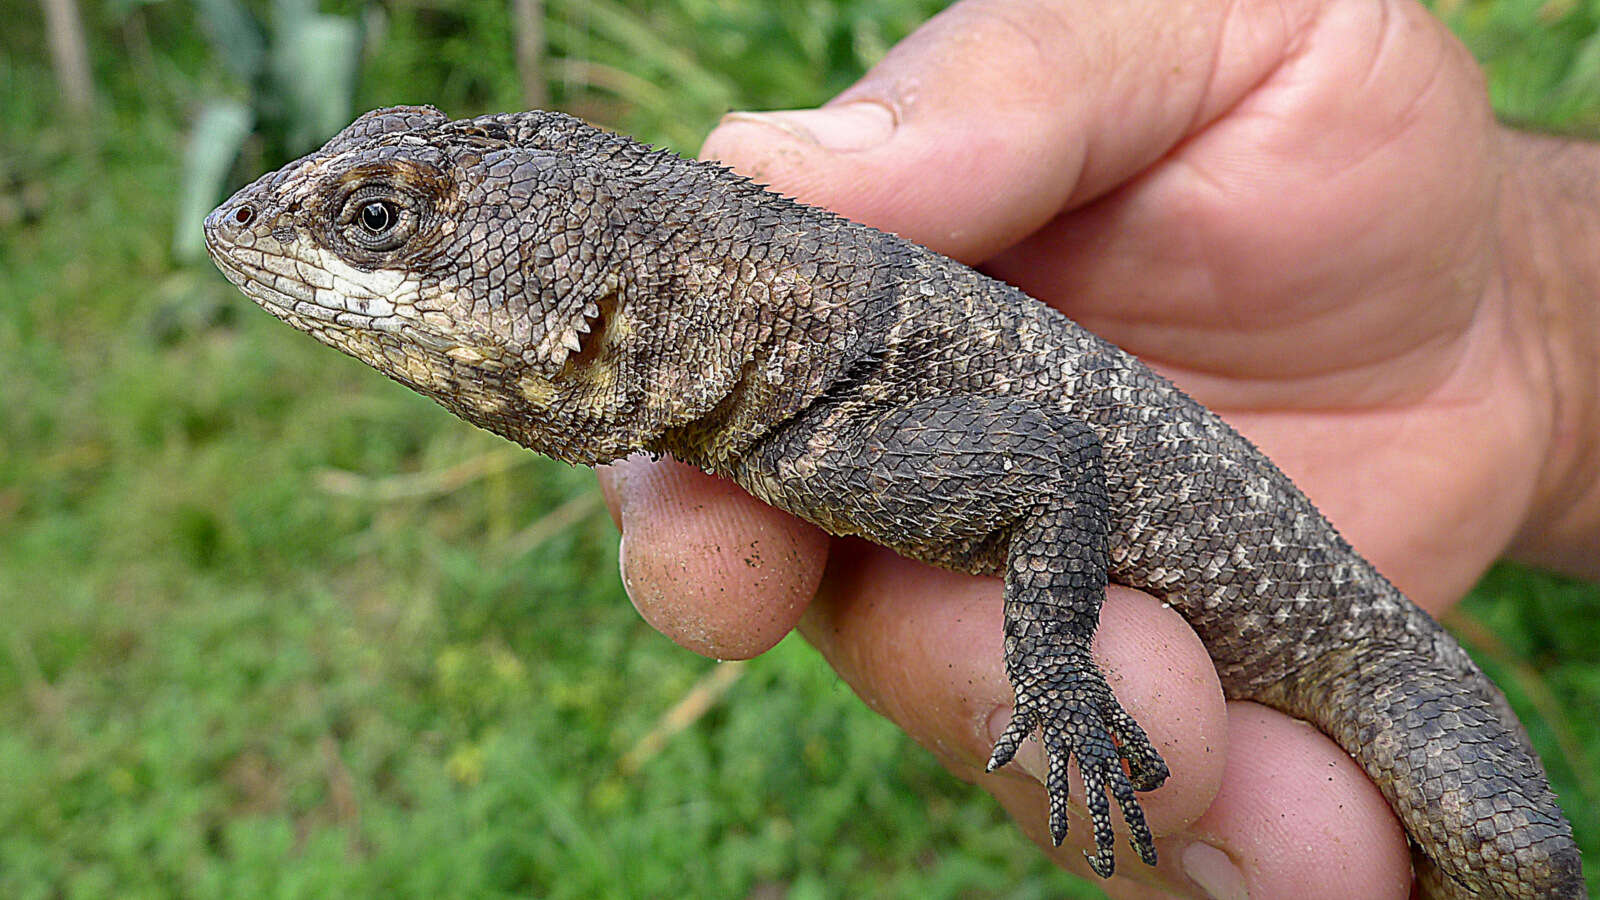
376	217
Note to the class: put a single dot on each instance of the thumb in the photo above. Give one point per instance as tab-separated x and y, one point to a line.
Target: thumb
997	114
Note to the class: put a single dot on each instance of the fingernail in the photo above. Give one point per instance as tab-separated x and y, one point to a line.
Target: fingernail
614	484
858	125
1214	872
612	479
622	567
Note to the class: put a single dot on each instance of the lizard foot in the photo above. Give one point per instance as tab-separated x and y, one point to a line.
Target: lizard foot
1062	695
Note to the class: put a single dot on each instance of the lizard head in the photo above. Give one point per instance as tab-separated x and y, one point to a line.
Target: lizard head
466	259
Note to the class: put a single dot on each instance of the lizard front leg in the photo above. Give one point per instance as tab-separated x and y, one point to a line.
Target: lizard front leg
1001	486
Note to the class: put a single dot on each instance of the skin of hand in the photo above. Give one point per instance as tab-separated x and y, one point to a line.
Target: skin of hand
1305	215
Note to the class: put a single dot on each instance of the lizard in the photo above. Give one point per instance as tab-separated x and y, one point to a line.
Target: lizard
589	297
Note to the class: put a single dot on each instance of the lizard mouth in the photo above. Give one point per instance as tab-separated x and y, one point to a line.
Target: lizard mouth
320	313
291	299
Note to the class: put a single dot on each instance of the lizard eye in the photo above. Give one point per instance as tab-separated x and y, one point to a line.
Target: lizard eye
378	223
377	218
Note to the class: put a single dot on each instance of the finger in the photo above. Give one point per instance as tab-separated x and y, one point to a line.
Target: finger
706	564
1228	260
924	648
1298	817
1295	817
996	114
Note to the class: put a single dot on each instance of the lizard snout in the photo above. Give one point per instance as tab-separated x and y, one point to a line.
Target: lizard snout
228	222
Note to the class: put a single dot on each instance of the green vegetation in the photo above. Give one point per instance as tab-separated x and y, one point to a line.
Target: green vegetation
274	626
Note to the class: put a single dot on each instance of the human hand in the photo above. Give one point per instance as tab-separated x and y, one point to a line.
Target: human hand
1291	210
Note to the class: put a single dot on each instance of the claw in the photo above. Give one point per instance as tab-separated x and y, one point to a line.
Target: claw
1005	748
1146	769
1147	779
1139	835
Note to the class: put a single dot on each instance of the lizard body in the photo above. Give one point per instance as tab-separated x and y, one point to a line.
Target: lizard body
588	297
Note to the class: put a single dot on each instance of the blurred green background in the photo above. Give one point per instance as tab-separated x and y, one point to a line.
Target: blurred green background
271	625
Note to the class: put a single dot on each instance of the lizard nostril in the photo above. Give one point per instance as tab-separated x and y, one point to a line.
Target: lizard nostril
244	214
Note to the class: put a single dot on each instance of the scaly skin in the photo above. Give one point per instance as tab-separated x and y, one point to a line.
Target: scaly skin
589	298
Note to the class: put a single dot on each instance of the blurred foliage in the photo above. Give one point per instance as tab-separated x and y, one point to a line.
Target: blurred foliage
221	677
1542	57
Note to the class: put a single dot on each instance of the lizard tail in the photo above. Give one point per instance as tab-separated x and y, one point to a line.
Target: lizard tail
1442	744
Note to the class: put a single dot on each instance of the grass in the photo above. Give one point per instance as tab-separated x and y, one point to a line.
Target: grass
225	671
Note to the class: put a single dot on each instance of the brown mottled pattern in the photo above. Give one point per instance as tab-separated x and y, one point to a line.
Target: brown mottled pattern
588	297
